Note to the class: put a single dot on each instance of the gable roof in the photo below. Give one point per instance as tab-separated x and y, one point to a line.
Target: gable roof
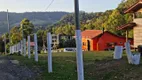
95	33
134	8
91	33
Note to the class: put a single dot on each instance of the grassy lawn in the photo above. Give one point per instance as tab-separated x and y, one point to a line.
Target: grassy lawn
97	66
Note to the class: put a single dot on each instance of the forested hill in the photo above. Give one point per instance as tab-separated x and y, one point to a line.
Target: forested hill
108	20
63	22
37	18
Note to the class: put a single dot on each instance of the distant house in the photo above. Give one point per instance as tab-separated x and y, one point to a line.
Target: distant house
98	40
32	44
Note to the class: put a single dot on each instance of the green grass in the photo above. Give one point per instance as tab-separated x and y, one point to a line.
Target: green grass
97	66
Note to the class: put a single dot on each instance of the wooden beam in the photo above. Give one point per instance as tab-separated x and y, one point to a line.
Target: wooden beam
127	33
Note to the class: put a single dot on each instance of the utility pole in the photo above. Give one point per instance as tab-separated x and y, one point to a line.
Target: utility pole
8	26
80	68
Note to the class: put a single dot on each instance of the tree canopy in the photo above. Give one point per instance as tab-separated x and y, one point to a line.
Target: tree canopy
109	20
26	27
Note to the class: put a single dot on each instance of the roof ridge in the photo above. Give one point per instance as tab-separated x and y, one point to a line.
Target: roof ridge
93	30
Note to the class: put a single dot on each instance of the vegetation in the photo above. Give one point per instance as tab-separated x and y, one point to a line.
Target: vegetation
15	36
42	38
33	22
64	43
97	66
1	45
109	20
26	27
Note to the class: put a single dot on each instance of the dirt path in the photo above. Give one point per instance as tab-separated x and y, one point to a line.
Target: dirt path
11	70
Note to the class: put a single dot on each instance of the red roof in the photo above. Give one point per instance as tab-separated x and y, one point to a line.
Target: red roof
91	33
31	43
134	8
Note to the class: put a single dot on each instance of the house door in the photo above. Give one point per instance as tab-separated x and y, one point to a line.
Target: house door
88	42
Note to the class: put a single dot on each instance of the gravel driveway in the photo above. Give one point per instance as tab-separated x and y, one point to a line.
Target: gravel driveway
11	70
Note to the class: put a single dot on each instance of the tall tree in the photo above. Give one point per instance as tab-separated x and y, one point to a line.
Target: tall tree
41	34
115	19
15	35
27	27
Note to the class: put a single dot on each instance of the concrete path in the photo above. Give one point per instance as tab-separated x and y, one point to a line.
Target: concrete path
11	70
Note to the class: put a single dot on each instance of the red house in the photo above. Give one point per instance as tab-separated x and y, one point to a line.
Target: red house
32	44
98	40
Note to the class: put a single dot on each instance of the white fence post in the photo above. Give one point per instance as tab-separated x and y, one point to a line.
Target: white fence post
128	51
49	38
118	52
29	50
21	46
17	47
36	47
10	50
24	47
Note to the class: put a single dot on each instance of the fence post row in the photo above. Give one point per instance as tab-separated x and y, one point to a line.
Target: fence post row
21	46
24	47
29	50
36	47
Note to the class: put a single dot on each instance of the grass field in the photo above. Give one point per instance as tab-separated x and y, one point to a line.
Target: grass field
97	66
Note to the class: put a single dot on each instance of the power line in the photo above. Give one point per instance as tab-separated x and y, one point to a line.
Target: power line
49	5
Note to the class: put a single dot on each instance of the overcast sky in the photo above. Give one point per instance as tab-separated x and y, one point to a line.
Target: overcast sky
58	5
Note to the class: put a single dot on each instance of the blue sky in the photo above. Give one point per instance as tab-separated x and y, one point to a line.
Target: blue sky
58	5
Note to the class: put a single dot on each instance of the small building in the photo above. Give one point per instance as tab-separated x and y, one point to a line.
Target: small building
98	40
32	44
136	24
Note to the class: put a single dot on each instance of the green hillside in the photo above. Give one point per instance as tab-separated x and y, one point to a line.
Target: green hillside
37	18
109	20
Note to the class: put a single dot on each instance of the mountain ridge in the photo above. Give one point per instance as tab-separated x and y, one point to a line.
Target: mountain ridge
37	18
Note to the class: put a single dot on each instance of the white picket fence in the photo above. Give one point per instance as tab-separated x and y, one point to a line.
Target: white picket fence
23	49
15	48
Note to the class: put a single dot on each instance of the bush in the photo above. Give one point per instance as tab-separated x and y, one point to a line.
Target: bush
67	43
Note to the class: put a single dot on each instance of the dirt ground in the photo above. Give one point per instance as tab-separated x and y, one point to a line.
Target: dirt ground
12	70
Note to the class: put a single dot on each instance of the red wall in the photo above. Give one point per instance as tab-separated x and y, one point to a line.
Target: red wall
100	43
110	38
95	42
